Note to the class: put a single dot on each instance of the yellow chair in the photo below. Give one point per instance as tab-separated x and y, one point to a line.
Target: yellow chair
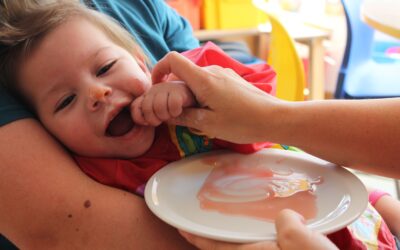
285	60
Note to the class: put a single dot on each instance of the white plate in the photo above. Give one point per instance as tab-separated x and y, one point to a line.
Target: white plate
171	194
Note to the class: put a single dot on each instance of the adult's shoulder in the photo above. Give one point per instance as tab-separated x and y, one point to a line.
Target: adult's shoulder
157	28
120	9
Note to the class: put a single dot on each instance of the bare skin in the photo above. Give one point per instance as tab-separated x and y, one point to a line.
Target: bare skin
361	134
68	210
307	125
292	234
391	216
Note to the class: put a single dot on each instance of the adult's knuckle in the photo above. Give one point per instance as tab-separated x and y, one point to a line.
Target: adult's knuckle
214	68
173	54
229	70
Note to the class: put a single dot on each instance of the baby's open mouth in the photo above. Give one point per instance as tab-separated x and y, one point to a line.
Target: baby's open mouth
121	124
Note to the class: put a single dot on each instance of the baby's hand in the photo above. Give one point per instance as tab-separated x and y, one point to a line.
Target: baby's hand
163	101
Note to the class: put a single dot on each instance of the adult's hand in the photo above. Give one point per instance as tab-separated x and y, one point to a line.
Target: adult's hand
291	234
230	107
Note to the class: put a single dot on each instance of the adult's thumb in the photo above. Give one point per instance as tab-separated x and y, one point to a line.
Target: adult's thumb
181	67
289	217
290	221
292	233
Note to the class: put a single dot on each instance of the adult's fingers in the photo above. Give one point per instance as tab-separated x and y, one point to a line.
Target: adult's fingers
289	219
180	66
203	243
292	233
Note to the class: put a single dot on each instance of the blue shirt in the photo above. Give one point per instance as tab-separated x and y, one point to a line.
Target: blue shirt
157	28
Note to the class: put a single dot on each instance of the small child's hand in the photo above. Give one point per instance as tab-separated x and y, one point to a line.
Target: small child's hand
163	101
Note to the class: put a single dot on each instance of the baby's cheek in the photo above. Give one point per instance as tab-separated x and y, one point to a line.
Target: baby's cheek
140	86
145	84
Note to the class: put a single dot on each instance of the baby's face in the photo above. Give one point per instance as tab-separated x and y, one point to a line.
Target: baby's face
81	85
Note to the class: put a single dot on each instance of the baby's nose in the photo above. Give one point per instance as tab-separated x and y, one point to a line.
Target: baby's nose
98	94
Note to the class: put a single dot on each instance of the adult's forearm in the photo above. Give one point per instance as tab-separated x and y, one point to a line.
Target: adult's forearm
47	202
363	134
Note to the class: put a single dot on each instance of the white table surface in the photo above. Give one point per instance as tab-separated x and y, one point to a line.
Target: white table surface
383	15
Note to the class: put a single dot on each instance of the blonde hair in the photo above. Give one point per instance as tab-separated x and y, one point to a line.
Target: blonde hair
23	23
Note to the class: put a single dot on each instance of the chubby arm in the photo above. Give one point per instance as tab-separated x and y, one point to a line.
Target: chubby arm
388	206
48	203
363	134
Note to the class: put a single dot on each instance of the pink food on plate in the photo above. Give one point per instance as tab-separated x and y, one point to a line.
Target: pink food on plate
257	191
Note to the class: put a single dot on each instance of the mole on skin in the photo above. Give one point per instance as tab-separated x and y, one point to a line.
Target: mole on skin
87	204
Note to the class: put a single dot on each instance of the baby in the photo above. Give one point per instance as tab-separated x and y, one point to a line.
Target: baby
89	84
